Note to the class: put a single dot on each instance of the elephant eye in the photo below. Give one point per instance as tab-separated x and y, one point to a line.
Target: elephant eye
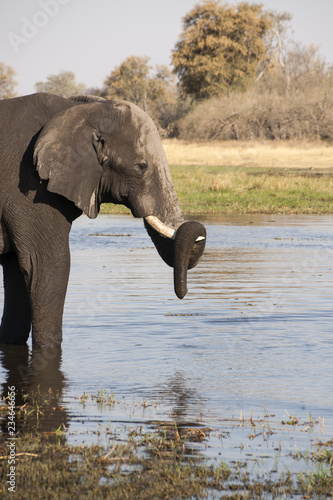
141	167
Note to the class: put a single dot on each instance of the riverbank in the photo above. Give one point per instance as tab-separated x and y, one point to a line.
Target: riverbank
250	177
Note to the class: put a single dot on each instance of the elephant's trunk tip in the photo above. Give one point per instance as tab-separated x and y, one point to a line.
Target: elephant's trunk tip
189	247
181	292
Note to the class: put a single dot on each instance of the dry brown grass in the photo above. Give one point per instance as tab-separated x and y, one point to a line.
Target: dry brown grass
268	154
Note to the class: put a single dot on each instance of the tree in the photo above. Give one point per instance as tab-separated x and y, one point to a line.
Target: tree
64	84
7	81
130	81
303	68
155	91
296	70
276	42
220	47
163	96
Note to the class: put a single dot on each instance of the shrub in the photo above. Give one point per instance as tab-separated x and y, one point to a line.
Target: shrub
257	114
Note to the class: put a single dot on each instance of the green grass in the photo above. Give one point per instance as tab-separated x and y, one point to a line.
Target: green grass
209	190
109	208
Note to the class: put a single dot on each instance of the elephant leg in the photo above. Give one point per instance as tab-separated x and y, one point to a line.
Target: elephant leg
16	319
48	285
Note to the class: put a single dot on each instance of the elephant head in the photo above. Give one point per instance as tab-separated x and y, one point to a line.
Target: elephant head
110	151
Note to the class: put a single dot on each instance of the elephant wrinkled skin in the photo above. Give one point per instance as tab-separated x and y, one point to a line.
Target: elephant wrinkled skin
61	157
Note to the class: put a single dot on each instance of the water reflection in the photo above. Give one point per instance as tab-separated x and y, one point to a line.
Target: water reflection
185	401
39	384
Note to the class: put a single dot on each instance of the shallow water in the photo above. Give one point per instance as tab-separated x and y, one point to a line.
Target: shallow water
254	333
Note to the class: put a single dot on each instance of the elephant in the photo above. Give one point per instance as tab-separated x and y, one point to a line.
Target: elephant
61	157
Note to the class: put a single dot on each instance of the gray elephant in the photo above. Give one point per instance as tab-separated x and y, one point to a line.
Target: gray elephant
61	157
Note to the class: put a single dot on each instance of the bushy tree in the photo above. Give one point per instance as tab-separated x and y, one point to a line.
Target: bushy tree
155	91
129	81
64	84
7	81
220	47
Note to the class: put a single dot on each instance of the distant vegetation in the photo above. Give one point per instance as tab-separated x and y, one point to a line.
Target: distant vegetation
236	75
7	81
64	84
264	113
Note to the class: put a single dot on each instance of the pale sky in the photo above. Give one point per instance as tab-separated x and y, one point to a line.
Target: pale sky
90	38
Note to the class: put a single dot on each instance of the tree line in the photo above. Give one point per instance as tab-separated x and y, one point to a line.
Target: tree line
236	74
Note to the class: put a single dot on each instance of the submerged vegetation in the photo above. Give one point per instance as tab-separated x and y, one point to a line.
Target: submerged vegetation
162	459
148	465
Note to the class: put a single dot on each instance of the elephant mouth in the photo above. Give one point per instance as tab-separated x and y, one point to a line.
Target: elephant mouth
181	249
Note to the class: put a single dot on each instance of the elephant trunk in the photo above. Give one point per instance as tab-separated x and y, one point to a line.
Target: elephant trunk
189	246
180	249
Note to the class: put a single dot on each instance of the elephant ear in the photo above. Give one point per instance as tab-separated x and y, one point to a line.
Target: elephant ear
66	154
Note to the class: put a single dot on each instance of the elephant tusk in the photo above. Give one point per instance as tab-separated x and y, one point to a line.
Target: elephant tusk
160	227
163	229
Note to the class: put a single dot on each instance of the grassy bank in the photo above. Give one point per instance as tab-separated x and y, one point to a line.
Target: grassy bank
250	177
249	190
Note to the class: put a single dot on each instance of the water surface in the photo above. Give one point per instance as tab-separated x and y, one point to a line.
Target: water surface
254	329
254	334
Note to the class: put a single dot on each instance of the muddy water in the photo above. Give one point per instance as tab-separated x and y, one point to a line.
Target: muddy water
254	333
